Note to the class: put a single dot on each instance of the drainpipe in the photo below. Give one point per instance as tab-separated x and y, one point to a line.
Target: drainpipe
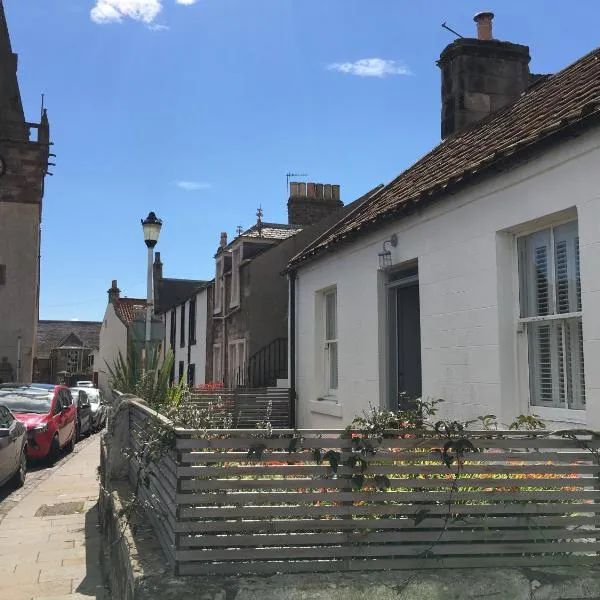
19	359
292	276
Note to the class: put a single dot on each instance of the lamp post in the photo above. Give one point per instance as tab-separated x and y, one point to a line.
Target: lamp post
151	226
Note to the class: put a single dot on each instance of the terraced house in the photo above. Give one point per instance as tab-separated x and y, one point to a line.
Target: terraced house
473	276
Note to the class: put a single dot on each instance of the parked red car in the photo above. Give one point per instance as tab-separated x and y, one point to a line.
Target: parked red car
49	414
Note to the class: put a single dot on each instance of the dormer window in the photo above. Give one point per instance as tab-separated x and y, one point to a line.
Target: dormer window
236	260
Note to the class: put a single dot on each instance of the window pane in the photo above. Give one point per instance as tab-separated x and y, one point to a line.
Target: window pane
333	365
556	364
330	317
566	267
574	364
534	265
540	363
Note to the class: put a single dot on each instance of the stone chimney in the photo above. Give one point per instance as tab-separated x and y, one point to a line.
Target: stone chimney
223	242
113	293
480	76
311	202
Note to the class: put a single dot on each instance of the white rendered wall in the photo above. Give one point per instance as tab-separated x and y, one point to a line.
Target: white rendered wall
472	355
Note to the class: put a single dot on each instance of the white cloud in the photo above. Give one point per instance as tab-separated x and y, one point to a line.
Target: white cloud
371	67
186	2
157	27
192	186
110	11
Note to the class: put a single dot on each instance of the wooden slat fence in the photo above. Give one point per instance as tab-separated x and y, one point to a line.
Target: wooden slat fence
153	473
516	500
248	406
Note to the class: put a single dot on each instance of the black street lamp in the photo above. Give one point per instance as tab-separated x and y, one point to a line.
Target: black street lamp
151	226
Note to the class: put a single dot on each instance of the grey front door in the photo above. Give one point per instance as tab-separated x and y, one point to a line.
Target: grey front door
405	341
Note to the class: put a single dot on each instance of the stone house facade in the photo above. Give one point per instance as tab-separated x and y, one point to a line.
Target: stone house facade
247	339
24	154
66	351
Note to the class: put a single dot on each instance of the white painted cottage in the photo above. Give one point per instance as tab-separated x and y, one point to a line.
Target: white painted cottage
474	276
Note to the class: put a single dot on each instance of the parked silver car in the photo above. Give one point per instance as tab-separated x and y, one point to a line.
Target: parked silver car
13	449
97	405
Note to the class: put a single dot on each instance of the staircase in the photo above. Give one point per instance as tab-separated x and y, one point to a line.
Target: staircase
268	365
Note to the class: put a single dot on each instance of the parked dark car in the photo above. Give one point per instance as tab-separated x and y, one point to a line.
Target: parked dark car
13	449
97	404
48	412
84	412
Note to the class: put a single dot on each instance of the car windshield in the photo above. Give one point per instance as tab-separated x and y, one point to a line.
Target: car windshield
93	395
27	401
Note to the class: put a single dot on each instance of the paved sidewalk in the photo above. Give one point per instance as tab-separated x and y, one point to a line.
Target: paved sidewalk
50	541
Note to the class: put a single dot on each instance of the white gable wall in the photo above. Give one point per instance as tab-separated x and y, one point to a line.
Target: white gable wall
472	355
113	338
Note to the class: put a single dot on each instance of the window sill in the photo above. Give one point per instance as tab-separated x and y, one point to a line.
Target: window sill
326	406
564	415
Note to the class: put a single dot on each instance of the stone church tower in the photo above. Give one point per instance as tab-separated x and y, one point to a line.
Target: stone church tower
24	151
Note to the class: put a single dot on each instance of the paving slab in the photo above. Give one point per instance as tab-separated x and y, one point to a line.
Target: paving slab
50	540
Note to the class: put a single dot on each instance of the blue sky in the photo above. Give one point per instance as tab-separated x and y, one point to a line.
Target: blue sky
198	109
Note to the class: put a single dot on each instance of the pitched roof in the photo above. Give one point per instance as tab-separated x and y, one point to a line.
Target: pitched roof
172	292
54	334
127	309
268	231
548	109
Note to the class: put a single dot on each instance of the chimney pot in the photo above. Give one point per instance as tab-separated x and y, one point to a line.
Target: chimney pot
484	25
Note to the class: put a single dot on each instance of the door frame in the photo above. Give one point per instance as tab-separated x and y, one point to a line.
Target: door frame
402	276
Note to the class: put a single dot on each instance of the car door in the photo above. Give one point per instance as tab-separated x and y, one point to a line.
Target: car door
7	452
57	416
86	412
68	417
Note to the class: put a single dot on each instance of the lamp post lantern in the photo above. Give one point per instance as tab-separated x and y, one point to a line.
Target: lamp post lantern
151	226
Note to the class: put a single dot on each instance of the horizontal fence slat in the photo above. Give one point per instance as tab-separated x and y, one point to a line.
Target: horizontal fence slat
189	485
269	512
355	551
429	497
306	470
382	457
328	539
233	443
380	564
400	523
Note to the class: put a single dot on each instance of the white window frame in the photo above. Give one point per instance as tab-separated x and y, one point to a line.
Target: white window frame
562	412
236	361
217	373
219	285
236	256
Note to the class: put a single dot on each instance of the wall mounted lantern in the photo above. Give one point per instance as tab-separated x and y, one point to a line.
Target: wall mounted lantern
385	256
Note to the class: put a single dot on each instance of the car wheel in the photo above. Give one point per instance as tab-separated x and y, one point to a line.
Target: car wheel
54	453
77	431
18	479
